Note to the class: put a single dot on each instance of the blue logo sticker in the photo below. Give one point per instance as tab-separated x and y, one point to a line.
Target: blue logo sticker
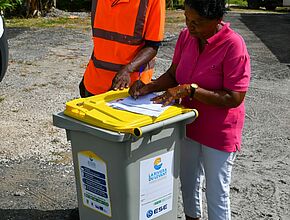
157	163
149	213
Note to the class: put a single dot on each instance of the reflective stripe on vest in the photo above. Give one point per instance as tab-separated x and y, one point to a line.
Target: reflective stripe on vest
116	67
136	39
105	65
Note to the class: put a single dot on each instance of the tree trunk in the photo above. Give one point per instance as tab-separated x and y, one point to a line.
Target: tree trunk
169	4
35	8
32	8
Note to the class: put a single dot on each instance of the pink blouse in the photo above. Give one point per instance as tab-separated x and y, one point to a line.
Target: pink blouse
223	64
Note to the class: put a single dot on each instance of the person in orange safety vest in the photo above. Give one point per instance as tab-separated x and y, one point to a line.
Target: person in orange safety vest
126	37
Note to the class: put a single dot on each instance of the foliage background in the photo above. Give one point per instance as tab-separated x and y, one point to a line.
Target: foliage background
36	8
9	4
25	8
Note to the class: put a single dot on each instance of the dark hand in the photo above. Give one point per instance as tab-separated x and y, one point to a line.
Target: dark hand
134	90
121	80
173	94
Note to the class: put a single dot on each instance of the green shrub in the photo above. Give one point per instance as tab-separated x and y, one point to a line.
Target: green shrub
174	4
6	5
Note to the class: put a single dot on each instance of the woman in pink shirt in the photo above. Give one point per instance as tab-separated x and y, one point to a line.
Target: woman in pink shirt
210	72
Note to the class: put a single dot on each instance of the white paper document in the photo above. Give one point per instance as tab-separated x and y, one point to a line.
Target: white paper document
142	105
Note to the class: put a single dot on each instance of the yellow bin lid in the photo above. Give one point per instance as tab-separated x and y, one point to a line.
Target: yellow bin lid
94	111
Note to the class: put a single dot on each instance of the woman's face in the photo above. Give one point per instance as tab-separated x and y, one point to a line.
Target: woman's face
198	26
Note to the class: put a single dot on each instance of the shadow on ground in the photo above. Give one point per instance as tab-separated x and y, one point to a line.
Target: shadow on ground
273	30
34	214
13	32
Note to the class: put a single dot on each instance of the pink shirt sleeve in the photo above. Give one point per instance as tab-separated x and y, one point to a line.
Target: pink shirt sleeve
236	66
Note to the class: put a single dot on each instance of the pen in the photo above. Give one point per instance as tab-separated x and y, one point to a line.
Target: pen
141	69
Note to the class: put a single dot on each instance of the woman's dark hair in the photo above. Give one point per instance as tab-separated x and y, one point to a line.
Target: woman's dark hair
210	9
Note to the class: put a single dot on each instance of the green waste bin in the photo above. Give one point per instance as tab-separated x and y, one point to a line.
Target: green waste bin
122	176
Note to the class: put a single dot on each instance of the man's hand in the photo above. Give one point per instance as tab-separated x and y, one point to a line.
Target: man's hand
122	79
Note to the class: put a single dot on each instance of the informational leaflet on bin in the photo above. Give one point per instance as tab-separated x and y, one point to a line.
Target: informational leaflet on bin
156	186
142	105
94	182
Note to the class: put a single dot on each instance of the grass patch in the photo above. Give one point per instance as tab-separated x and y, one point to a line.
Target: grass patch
1	99
63	22
283	9
240	3
173	18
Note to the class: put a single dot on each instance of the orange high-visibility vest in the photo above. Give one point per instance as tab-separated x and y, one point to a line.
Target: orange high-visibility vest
120	28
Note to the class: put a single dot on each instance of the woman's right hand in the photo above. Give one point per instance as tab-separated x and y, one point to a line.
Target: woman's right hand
136	89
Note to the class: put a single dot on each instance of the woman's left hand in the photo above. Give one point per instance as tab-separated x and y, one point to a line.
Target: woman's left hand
173	94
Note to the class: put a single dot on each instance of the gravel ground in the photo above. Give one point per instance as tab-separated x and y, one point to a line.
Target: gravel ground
46	65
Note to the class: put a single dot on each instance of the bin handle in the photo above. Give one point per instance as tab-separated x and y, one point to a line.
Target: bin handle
138	132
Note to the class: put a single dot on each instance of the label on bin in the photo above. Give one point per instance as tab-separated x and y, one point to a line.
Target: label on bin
94	183
156	186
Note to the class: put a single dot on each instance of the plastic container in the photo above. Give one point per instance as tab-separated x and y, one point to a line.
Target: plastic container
121	175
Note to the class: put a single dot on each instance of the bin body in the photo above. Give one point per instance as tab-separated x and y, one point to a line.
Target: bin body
121	177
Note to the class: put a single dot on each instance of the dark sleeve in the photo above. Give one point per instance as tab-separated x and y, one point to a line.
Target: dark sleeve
150	43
